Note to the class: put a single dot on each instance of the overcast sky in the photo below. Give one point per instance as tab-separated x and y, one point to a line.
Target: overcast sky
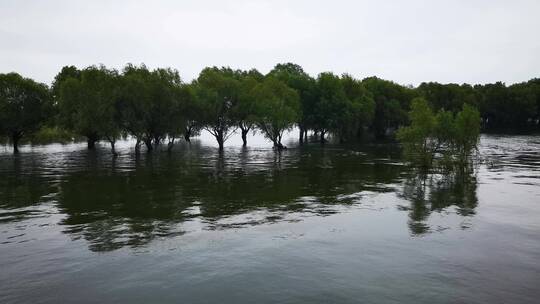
474	41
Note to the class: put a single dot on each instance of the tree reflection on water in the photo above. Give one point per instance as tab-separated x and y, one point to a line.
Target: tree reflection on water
437	193
134	199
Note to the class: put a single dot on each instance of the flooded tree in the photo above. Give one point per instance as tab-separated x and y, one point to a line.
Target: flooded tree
192	112
332	105
217	90
278	109
89	105
296	78
444	137
152	104
245	109
392	101
467	135
419	141
360	109
24	107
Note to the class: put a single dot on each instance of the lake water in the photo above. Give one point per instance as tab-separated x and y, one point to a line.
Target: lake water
333	224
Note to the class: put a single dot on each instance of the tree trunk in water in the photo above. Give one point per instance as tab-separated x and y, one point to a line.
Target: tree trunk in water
148	143
277	144
170	145
187	136
138	146
15	140
301	135
220	140
322	137
113	150
91	142
244	137
220	143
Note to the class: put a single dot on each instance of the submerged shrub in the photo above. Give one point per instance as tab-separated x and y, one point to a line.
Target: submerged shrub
441	140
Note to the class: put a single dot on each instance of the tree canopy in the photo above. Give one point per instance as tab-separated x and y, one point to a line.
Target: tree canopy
277	109
445	137
155	105
218	90
24	106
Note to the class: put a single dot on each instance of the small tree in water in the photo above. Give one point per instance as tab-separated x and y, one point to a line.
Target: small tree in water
467	134
446	138
418	139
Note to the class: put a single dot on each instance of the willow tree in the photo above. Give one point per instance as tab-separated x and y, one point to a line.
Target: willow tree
192	111
245	107
65	73
278	108
150	102
361	109
392	101
88	105
296	78
217	90
178	119
332	107
24	106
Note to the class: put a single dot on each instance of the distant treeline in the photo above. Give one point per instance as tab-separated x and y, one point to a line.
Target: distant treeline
156	106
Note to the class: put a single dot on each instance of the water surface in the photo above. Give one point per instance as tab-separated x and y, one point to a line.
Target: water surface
333	224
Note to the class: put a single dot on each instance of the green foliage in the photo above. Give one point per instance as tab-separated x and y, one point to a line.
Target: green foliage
245	108
361	109
449	97
65	73
47	135
88	104
514	107
501	107
448	138
24	106
344	106
192	113
294	76
419	138
391	104
278	108
333	106
218	91
467	133
153	104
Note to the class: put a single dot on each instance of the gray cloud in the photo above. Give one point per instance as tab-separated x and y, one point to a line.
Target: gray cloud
475	41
